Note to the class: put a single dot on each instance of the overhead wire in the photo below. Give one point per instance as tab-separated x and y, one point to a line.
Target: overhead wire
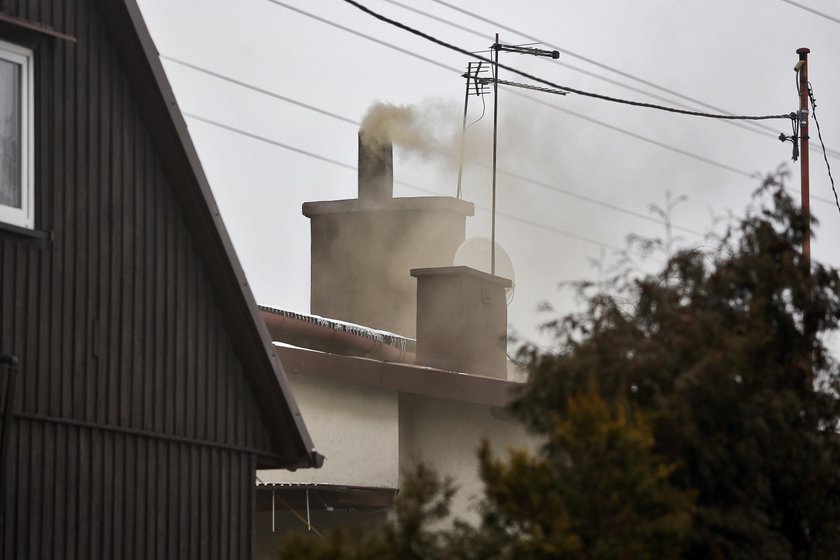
754	127
342	118
403	183
549	83
813	11
596	63
258	89
360	34
819	135
533	99
551	105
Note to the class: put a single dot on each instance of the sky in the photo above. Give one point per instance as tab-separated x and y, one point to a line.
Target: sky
273	91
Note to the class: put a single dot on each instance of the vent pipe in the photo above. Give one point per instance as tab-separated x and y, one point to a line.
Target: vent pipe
376	168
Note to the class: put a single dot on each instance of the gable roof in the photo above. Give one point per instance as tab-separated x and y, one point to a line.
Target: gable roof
224	273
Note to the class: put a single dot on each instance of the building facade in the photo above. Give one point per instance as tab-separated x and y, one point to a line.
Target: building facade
147	391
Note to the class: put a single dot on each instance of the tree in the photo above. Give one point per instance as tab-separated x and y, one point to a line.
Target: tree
424	500
596	490
725	351
690	413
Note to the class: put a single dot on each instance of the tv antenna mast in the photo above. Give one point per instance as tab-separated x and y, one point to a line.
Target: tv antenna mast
480	86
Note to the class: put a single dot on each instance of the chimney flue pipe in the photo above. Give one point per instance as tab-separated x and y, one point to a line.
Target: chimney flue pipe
376	169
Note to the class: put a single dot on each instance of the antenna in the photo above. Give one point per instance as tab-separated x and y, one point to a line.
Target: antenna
519	49
479	88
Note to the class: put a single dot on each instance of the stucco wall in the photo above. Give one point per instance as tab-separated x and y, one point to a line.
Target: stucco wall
355	428
445	434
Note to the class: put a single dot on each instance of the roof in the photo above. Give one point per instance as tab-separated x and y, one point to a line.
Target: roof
405	378
224	273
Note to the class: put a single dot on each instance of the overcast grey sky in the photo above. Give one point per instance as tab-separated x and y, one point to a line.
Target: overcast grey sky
738	56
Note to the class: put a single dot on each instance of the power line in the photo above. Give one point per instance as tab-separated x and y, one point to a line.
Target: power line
754	127
514	92
551	84
409	185
812	10
512	175
252	87
362	35
548	83
266	140
589	119
819	134
403	183
498	25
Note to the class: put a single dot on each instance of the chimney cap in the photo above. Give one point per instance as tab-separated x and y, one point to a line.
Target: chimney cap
461	270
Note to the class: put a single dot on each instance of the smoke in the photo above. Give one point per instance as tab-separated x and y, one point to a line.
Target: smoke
429	130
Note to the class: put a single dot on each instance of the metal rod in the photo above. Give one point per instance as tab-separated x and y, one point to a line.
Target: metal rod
463	133
272	511
308	521
496	48
803	161
526	86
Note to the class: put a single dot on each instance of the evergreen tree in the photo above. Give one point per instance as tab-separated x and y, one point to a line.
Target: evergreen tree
725	351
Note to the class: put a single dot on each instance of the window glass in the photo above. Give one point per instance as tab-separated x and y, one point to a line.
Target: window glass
16	136
10	134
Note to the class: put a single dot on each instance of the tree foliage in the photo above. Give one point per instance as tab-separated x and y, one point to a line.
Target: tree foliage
424	500
690	413
725	350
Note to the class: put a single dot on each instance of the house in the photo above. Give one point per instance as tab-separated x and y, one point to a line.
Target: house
403	359
147	390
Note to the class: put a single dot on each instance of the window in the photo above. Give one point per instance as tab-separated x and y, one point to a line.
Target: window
16	136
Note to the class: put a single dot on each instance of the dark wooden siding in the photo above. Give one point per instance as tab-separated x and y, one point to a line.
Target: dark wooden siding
136	432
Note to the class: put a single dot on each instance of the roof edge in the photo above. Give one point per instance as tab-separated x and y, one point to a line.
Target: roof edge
404	378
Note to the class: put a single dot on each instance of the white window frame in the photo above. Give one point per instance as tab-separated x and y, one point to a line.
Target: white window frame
25	215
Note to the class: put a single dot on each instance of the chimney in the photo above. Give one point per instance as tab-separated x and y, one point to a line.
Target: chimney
363	248
462	320
376	169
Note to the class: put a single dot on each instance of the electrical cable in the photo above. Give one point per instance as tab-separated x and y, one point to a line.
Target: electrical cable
590	60
819	135
551	84
409	185
360	34
574	114
263	91
483	110
812	10
754	127
516	176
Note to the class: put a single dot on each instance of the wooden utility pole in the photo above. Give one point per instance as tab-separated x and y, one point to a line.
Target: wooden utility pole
802	71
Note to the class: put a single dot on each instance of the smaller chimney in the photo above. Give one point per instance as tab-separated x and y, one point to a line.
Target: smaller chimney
462	320
376	169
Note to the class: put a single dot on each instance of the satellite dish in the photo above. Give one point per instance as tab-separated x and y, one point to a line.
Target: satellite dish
475	253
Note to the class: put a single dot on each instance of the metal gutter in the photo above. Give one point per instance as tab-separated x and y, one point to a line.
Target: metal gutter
291	327
406	378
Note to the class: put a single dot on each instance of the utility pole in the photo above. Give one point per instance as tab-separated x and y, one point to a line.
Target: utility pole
496	48
802	85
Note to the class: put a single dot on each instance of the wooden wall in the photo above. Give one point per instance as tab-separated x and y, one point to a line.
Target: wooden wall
136	432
